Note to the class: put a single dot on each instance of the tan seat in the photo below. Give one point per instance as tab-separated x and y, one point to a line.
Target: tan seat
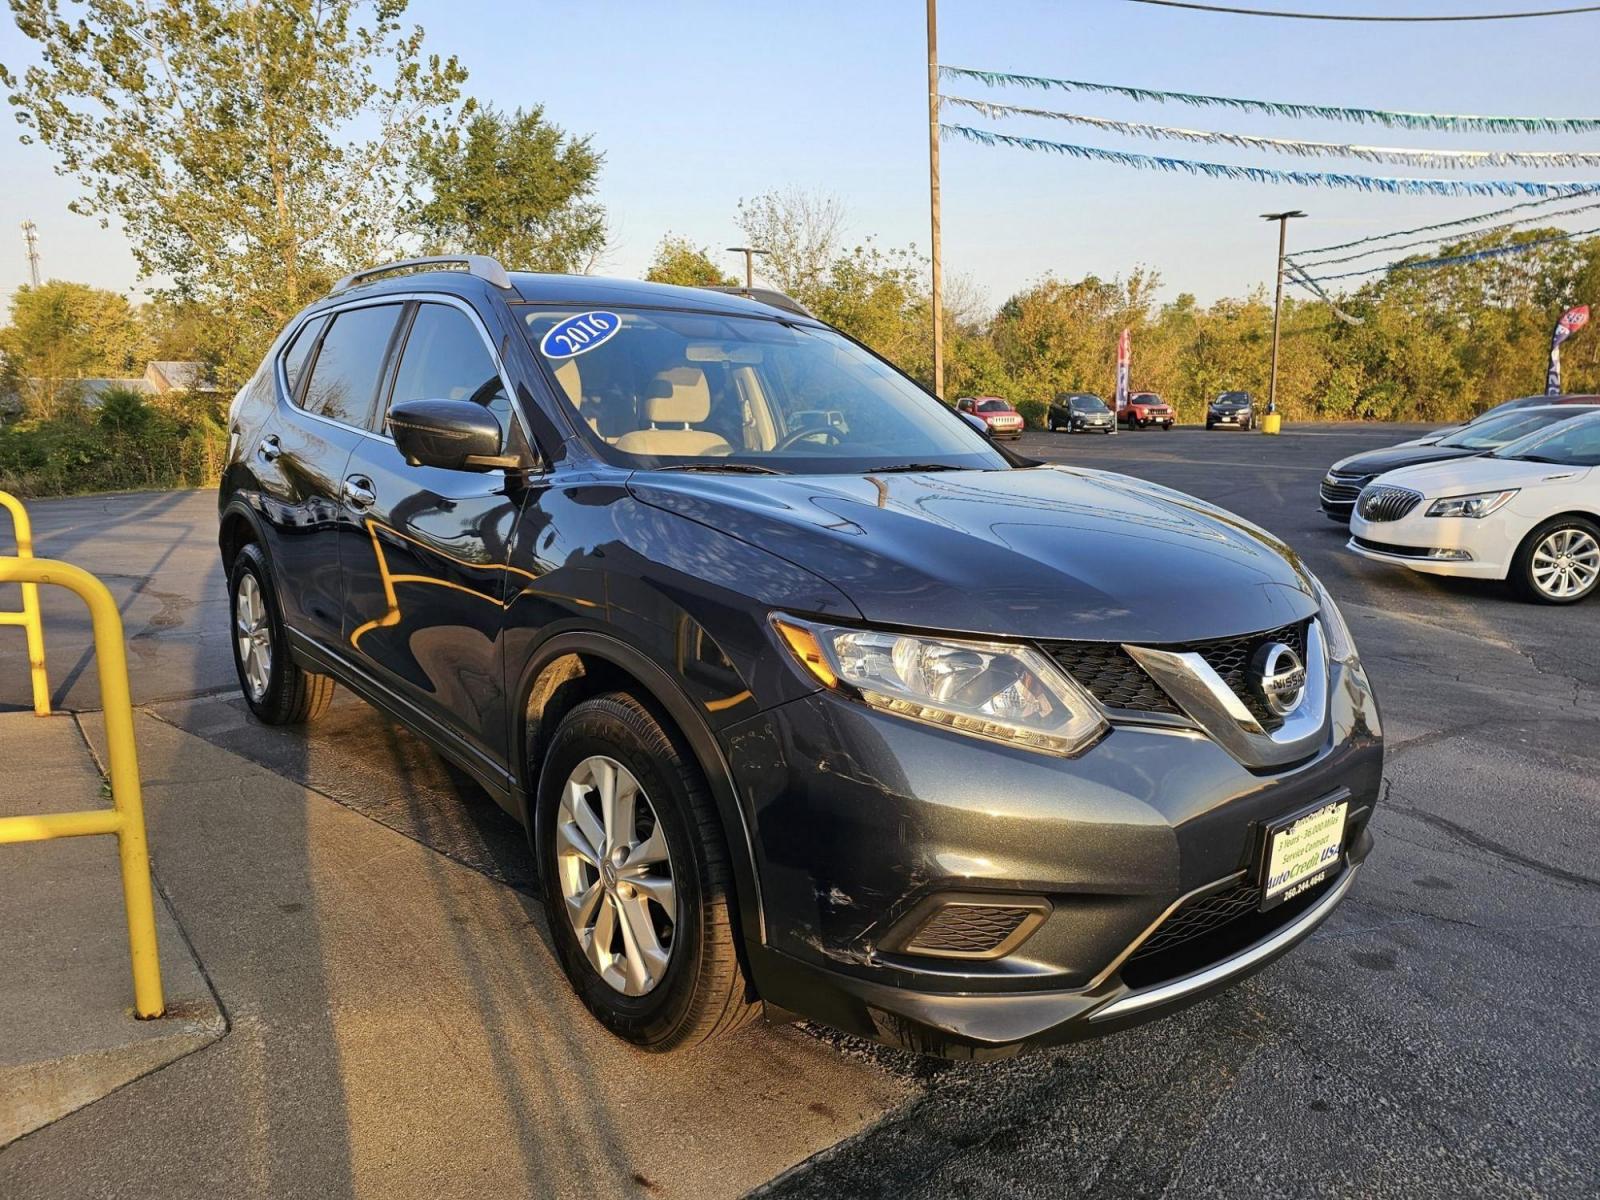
679	400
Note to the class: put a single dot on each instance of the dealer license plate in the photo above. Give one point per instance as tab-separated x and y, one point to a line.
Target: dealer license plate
1303	853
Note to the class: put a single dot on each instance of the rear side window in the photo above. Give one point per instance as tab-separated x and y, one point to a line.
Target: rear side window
299	353
445	359
344	378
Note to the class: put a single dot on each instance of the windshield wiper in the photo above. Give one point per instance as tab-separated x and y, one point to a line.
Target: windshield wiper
903	468
732	467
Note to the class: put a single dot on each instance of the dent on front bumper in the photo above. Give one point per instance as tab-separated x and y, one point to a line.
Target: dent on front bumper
858	816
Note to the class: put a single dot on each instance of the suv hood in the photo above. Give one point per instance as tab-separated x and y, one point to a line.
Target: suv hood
1043	552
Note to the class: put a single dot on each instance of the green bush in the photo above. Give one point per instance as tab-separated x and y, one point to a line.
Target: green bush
1033	411
125	445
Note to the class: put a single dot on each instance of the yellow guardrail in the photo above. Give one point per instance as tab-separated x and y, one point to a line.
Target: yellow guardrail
125	817
28	617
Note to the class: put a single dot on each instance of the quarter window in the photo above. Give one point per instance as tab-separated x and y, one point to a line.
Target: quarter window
299	353
445	359
344	378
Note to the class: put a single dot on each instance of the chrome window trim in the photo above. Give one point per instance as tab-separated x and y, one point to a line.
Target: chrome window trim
1220	972
1200	692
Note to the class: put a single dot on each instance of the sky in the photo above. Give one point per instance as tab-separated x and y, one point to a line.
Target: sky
699	103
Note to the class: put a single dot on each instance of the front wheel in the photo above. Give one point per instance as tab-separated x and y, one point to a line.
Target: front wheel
1559	562
636	881
277	689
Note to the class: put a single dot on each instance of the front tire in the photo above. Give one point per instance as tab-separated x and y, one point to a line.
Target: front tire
277	689
1559	562
636	881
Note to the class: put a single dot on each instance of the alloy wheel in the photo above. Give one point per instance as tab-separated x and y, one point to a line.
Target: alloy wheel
254	636
1565	563
616	875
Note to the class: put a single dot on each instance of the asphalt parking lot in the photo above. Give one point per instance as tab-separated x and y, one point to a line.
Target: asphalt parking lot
1440	1036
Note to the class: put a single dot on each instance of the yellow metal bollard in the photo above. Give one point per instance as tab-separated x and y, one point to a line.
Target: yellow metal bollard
1272	423
126	816
28	618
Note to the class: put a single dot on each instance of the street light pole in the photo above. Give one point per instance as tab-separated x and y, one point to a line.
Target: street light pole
1283	219
937	263
749	253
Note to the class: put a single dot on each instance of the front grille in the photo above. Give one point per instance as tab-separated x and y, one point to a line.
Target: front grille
1230	658
1111	676
1386	502
1335	490
1201	915
968	930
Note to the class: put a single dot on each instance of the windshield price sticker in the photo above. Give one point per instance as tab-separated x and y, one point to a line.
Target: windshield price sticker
579	334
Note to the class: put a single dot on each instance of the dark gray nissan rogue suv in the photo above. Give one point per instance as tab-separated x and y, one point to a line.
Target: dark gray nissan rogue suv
809	696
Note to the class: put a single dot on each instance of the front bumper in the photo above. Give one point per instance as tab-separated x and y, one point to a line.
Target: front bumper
1420	542
857	817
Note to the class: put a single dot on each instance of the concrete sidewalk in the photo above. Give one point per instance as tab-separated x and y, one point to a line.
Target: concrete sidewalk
399	1027
66	991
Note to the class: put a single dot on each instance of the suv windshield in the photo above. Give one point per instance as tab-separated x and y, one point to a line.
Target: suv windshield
1571	444
656	388
1144	398
1502	431
1088	404
1234	398
991	406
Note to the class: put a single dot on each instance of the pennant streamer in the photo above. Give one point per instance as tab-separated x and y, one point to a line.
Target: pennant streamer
1299	277
1442	159
1455	259
1476	220
1429	241
1325	112
1363	183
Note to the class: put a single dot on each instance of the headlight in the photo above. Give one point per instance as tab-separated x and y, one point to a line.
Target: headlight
991	690
1341	646
1479	504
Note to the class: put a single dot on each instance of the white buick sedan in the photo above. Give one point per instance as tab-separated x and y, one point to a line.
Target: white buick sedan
1529	513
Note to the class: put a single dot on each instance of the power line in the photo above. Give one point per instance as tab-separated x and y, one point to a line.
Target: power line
1317	16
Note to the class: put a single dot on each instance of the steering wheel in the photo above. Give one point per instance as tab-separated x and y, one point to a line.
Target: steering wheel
809	431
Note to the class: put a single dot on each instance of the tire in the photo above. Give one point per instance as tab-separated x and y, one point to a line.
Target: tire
1575	538
1050	424
277	689
1167	427
700	992
1209	426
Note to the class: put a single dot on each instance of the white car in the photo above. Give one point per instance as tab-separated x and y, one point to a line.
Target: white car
1528	513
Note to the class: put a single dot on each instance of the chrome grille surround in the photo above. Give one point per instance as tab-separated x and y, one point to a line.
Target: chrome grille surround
1341	489
1207	699
1386	502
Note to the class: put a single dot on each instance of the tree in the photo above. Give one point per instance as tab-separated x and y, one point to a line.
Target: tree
252	151
61	332
800	231
514	186
680	261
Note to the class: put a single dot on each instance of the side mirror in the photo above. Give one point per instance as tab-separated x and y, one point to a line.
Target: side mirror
457	435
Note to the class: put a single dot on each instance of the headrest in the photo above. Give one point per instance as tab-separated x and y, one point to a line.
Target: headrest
678	397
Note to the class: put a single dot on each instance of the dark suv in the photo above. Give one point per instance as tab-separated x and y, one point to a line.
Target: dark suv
808	695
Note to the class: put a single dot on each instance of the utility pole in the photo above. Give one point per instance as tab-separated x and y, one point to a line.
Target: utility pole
1283	219
749	253
30	235
933	197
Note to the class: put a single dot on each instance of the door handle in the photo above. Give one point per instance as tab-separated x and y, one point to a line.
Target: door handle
269	449
358	492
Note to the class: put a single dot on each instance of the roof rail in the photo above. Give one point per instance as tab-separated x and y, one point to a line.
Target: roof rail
481	265
765	296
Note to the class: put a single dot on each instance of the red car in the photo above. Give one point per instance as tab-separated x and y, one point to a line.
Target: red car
1002	420
1147	408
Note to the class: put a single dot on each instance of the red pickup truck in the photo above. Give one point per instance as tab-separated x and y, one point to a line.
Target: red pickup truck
1147	408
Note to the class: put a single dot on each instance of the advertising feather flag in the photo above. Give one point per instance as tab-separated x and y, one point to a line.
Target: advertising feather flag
1571	321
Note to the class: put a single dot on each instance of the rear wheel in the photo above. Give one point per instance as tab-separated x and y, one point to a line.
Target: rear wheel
636	880
1559	562
277	689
